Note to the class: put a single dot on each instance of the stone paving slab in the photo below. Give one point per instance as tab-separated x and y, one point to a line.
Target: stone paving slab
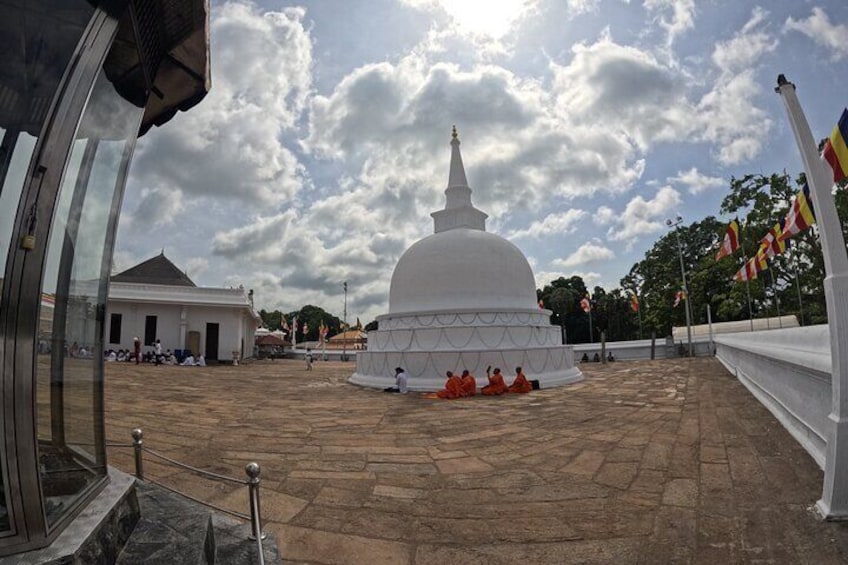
668	461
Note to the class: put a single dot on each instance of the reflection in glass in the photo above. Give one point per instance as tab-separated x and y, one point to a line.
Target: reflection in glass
70	370
37	40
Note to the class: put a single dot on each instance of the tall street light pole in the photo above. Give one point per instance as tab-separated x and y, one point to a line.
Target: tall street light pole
344	325
675	224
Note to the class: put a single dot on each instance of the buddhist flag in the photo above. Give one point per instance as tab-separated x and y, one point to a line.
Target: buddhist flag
835	149
634	302
678	297
283	323
731	240
748	272
586	304
800	217
294	326
761	260
305	328
771	245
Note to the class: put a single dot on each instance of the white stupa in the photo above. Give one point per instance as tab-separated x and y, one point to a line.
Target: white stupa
463	298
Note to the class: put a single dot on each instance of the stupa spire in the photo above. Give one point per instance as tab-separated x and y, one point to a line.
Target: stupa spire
459	212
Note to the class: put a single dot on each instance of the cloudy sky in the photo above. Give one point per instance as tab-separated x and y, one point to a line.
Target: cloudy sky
324	144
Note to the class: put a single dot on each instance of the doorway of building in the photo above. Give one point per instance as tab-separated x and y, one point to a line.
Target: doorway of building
211	342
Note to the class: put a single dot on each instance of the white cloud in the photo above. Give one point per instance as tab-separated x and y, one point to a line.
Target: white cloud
682	15
747	46
552	224
261	76
819	28
544	278
643	217
604	216
589	252
695	180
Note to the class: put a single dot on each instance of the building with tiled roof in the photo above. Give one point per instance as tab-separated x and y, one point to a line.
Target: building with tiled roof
157	300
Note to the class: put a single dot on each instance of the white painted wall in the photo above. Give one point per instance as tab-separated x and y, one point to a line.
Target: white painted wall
788	371
235	325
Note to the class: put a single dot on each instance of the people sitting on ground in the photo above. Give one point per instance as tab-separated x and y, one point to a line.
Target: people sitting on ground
520	385
200	361
496	386
121	355
171	359
400	382
111	355
188	361
469	384
610	357
596	358
453	387
585	358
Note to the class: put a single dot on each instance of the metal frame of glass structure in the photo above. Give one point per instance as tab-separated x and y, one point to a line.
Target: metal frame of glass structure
77	82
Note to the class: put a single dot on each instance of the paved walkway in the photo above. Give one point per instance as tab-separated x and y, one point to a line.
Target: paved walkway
642	462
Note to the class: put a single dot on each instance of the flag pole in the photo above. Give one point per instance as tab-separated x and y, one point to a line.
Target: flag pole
833	504
798	287
639	314
747	281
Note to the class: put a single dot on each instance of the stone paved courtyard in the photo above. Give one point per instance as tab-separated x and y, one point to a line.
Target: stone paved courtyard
642	462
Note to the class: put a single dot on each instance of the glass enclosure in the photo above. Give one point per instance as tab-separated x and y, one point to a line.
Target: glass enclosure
69	368
37	41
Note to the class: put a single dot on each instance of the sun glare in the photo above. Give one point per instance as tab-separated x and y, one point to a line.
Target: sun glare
484	17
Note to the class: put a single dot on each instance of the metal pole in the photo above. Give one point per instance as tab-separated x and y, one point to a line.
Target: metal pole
776	297
685	285
252	470
137	436
798	288
344	325
591	333
834	501
639	315
710	322
604	348
653	344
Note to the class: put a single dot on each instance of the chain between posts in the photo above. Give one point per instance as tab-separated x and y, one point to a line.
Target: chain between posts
252	470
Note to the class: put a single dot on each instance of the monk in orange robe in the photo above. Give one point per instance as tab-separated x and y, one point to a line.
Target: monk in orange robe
453	387
496	386
521	385
469	384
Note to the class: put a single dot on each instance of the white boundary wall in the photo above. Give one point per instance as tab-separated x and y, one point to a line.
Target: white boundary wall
788	371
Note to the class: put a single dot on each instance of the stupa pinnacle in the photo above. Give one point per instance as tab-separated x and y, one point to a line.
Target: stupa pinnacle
459	212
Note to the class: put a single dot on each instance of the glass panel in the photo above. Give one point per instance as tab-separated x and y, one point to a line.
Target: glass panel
37	40
70	376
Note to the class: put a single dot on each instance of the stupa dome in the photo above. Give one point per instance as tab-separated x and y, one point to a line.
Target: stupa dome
462	269
460	299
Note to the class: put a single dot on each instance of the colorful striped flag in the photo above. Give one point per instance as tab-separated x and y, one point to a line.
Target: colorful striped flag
800	217
541	304
634	302
748	272
771	245
731	241
835	149
586	304
305	328
678	297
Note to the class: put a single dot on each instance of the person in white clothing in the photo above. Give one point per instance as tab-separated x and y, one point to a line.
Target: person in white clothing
189	361
201	362
401	380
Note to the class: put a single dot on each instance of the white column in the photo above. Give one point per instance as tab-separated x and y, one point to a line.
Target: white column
834	501
183	326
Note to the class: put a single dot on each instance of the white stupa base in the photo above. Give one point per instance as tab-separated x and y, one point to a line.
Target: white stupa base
551	366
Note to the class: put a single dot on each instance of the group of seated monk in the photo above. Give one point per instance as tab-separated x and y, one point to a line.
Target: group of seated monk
466	385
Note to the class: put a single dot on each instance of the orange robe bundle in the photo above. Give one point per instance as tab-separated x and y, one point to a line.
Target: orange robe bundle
453	388
469	386
496	386
521	385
